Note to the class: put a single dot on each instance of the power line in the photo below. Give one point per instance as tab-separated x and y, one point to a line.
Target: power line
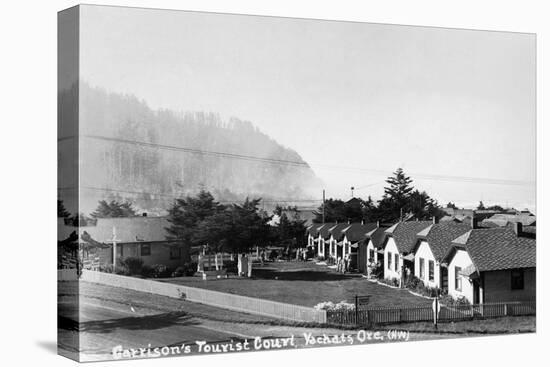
432	177
175	196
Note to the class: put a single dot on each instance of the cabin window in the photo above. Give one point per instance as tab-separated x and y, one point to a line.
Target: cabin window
396	262
175	253
389	260
458	278
431	270
371	255
145	249
421	268
517	279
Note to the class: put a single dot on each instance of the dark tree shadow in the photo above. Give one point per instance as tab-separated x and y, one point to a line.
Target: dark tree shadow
151	322
306	275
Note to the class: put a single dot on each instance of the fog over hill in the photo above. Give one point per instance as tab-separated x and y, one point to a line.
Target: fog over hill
130	151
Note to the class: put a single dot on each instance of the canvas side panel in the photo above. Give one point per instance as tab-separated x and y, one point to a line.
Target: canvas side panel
67	181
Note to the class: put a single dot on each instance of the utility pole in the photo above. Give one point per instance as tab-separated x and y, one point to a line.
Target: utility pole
323	205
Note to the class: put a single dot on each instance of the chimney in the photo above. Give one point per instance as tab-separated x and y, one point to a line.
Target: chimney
474	222
377	224
518	228
362	222
144	214
349	222
434	220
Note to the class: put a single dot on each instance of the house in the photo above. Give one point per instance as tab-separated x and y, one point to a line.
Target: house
493	265
373	246
111	239
312	232
503	219
431	246
354	234
321	241
398	244
335	241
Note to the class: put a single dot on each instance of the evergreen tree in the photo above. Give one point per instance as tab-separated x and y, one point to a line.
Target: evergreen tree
396	199
113	209
186	214
337	210
290	230
451	205
423	207
62	212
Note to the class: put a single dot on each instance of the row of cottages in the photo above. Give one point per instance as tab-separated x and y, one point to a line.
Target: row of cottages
432	245
479	264
373	248
109	240
399	242
333	241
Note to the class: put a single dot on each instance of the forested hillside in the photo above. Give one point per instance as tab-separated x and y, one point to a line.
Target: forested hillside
130	151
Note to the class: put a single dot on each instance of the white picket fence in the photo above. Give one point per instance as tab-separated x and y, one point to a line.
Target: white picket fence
213	298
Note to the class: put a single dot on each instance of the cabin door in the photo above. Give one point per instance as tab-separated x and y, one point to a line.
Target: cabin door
444	281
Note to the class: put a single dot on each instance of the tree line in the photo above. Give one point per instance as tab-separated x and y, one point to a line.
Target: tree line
199	220
400	200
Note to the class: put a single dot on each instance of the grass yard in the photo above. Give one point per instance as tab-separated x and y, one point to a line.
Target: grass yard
501	325
307	284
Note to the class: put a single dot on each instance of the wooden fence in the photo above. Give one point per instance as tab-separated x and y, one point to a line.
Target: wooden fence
214	298
395	315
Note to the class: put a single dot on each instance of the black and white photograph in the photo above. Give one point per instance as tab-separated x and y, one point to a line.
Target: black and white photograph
242	183
280	187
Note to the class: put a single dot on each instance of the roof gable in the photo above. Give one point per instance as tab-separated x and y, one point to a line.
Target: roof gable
357	231
128	230
440	237
498	249
404	234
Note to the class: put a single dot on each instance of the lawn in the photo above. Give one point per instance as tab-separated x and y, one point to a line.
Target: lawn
500	325
307	284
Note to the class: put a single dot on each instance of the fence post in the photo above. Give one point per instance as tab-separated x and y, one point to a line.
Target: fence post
356	309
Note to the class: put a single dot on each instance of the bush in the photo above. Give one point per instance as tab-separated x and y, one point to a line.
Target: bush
146	271
330	306
187	269
273	255
106	268
413	282
133	265
449	300
231	266
160	271
394	282
375	270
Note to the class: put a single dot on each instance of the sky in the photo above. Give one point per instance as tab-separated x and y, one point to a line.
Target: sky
355	100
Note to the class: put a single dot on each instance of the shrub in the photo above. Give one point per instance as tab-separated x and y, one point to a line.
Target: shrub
187	269
146	271
231	266
449	300
413	282
160	271
106	268
330	306
394	282
133	265
375	270
273	255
